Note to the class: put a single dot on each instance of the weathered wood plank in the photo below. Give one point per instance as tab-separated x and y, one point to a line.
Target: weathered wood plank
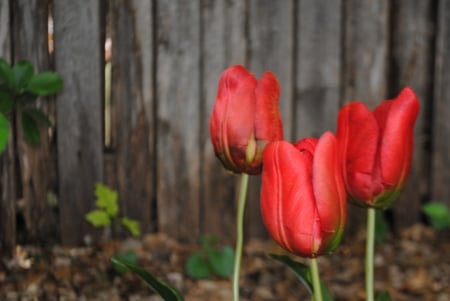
411	65
441	125
133	108
38	168
224	44
79	60
365	65
271	47
178	118
7	167
319	66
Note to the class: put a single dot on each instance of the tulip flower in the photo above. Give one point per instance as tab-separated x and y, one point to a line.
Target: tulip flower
377	147
245	118
303	199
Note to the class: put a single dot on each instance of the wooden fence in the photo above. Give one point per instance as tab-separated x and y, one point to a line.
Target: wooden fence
167	56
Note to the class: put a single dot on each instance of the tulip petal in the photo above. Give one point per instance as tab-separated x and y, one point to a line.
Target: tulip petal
329	192
357	134
396	119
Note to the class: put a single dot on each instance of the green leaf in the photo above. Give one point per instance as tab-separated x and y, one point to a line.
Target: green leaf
6	74
30	128
167	292
303	273
438	214
98	218
39	116
26	97
198	266
22	73
381	227
384	296
45	83
6	101
129	256
4	132
132	225
222	261
107	199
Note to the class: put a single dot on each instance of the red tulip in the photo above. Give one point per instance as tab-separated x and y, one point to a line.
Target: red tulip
245	118
377	148
303	199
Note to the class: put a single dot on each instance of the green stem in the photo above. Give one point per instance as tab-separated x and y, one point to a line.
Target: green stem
239	234
315	279
370	246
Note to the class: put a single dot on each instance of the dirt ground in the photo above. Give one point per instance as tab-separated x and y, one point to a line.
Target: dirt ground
413	265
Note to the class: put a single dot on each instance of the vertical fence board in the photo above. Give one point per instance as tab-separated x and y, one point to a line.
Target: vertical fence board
223	45
7	168
271	47
365	62
178	118
79	111
132	99
411	65
441	124
318	75
30	38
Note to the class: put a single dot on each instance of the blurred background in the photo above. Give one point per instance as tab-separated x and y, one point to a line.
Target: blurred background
140	79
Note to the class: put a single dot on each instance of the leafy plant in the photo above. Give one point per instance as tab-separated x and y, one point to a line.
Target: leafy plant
438	214
20	87
210	260
106	213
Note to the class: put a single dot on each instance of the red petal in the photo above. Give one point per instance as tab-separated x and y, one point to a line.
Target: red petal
357	135
396	119
268	125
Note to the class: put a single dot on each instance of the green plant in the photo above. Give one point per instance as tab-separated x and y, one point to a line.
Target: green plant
438	214
210	260
19	88
106	213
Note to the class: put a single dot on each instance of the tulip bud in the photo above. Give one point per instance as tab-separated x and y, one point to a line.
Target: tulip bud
303	200
376	148
245	118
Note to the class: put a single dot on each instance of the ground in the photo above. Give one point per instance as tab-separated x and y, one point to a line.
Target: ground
412	265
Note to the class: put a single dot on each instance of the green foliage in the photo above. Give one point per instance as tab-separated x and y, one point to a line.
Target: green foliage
384	296
167	292
129	256
438	214
381	227
210	260
106	213
20	86
303	274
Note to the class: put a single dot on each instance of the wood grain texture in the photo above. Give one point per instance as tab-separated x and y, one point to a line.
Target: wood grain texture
79	60
178	118
366	51
30	42
223	44
412	65
7	167
133	109
271	47
319	67
441	109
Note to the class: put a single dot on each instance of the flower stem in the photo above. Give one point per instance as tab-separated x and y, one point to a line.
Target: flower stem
370	245
315	279
239	234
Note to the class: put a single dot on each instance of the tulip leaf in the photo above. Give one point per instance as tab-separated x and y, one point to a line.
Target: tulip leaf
384	296
303	273
128	256
167	292
438	214
198	266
